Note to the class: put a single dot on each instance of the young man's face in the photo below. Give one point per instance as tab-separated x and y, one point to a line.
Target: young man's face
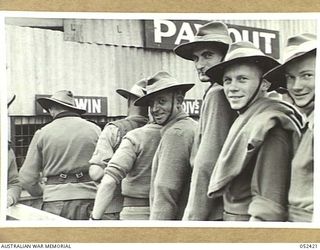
205	58
300	76
162	106
240	81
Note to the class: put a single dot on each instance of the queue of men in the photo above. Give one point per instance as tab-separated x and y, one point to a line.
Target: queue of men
248	158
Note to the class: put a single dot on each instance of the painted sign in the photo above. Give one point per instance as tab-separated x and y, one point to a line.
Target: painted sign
95	105
192	106
167	34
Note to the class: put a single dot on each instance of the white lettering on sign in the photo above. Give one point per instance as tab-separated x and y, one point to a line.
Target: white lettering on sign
236	34
191	107
244	36
96	106
91	105
159	33
268	39
185	33
168	32
81	103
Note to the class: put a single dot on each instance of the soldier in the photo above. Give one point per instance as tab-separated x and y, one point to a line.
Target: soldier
170	175
252	173
130	164
208	49
61	151
297	75
110	140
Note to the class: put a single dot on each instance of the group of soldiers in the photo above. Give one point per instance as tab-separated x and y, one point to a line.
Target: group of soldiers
248	158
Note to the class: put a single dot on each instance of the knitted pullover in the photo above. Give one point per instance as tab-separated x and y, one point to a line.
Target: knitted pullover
65	145
215	121
301	187
248	149
171	169
132	162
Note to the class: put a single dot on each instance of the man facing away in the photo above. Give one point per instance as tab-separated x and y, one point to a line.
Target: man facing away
208	49
110	139
61	151
170	175
298	74
252	173
131	166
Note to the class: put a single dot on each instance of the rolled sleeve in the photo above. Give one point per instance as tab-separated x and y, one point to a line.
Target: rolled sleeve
123	159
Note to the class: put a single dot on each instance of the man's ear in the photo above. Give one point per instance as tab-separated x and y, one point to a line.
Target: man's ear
265	85
179	98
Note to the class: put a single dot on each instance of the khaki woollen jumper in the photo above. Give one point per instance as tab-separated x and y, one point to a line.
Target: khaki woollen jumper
132	162
109	141
244	141
62	146
301	187
171	170
215	121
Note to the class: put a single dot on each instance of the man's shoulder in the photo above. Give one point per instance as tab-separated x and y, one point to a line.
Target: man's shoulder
150	128
215	91
183	127
72	122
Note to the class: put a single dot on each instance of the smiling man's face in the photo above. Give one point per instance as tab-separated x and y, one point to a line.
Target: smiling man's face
300	75
240	82
164	107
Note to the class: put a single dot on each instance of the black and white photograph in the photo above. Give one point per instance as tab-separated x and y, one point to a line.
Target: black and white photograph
171	120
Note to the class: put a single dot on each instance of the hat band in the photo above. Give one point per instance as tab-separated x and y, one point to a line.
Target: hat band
213	38
293	50
243	52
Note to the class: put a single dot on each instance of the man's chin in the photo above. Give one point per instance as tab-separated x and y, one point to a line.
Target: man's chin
204	78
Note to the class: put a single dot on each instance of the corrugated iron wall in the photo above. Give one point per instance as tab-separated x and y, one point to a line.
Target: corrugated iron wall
111	31
130	32
39	61
110	56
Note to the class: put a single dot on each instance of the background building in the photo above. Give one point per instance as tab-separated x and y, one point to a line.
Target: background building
95	57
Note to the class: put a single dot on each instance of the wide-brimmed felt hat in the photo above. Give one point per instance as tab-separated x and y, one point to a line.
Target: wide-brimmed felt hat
213	34
297	47
240	52
136	90
64	98
161	81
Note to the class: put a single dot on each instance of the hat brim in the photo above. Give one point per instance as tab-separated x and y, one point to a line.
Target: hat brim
126	94
186	50
276	75
264	62
47	102
145	100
